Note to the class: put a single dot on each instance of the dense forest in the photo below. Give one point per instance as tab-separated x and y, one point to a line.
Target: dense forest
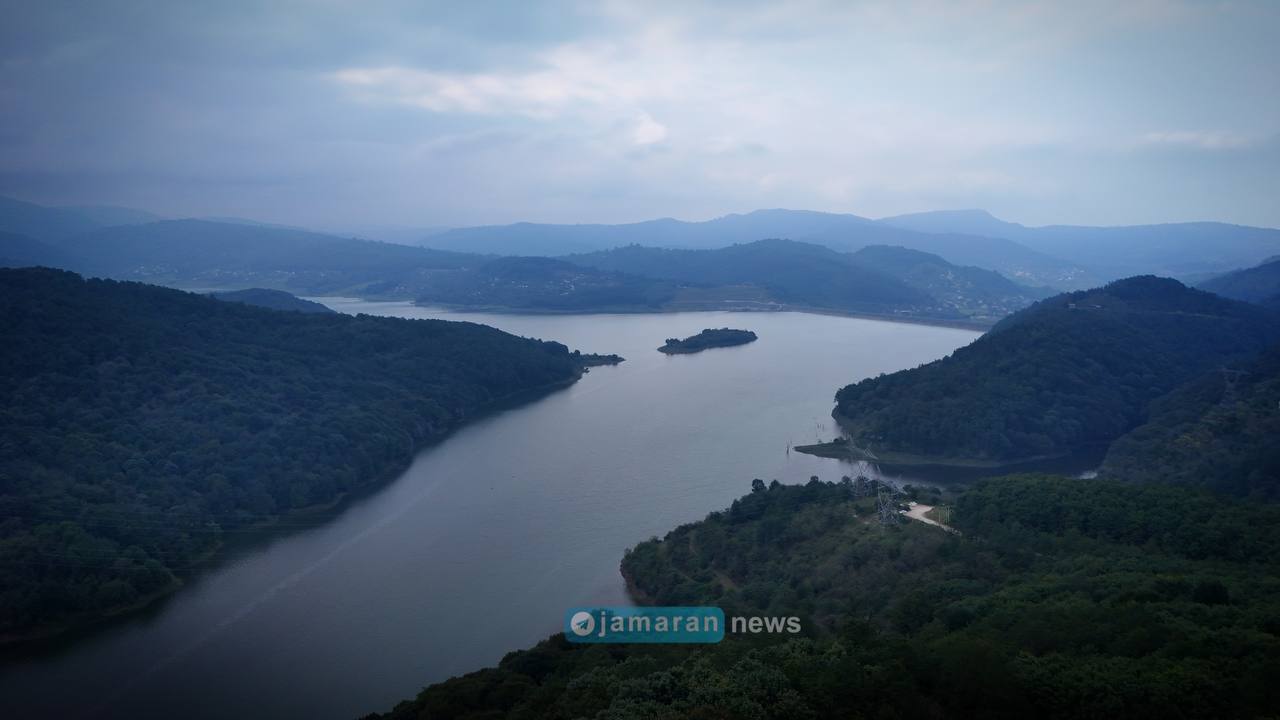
273	299
709	338
1222	431
1255	284
1071	371
141	424
1061	598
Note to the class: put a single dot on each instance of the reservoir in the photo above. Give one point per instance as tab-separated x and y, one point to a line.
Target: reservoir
480	545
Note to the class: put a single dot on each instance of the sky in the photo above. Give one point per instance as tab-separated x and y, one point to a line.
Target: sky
334	114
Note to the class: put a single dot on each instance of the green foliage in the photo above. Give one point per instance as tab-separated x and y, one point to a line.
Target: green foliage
1063	598
140	424
1219	431
1254	284
273	299
1069	372
709	338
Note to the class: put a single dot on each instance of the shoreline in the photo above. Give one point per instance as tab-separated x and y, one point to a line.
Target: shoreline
957	324
16	646
839	451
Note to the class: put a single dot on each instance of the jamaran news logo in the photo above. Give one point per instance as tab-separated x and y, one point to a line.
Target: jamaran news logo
665	624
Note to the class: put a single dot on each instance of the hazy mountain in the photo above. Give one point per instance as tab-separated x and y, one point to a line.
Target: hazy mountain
22	251
794	273
273	299
767	274
545	239
792	270
836	231
1069	372
538	283
1254	284
1167	249
971	291
209	254
963	222
403	235
105	215
39	222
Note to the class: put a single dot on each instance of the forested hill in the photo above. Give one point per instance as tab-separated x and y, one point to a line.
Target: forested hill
1255	284
1075	370
788	272
140	424
971	291
201	253
1221	431
1062	598
274	299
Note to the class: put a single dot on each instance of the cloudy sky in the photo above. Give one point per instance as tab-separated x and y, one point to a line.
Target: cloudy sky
346	114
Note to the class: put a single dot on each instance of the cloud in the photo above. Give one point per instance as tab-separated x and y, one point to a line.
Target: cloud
452	113
648	131
1199	139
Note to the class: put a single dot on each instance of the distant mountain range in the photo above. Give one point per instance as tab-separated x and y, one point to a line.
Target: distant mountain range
1173	249
204	254
805	274
1060	256
959	265
843	233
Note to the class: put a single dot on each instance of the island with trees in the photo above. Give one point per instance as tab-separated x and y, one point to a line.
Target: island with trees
707	339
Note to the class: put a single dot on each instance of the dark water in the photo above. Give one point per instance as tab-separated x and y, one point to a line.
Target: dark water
482	543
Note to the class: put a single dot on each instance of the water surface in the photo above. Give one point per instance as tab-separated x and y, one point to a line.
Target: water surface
480	545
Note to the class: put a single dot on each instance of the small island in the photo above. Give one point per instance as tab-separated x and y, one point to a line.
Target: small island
722	337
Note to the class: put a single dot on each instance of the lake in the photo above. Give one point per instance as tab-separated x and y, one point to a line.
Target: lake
481	544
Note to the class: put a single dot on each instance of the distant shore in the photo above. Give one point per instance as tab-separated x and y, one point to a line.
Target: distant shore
959	324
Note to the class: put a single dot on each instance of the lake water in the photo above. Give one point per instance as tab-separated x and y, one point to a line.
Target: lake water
480	545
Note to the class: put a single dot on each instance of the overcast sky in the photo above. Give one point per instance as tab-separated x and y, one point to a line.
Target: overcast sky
344	114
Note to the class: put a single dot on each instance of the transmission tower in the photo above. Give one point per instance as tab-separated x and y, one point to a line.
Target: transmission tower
886	506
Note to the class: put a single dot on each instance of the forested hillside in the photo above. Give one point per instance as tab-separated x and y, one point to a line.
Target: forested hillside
273	299
201	253
1072	371
1255	284
538	283
970	291
1220	431
1061	599
794	273
140	424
